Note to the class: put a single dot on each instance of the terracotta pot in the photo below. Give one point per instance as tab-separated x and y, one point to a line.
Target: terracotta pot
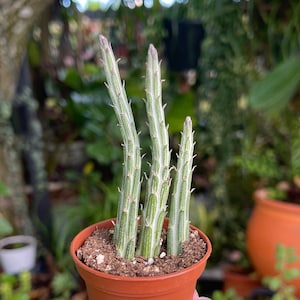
179	285
272	222
244	283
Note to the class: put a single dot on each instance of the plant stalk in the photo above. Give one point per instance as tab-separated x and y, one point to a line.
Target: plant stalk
178	229
125	231
159	180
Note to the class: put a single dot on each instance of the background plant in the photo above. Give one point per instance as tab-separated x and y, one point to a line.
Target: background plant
229	294
15	287
281	284
5	226
223	74
62	286
274	96
237	138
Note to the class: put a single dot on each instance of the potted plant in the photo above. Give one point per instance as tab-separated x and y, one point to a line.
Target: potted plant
272	222
275	218
17	252
146	245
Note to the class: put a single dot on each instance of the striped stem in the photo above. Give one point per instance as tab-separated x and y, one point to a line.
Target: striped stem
126	225
159	180
178	229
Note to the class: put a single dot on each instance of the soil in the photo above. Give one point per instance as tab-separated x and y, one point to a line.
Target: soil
99	253
15	245
293	195
291	190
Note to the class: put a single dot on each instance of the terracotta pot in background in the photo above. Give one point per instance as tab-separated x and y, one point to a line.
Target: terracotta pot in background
244	283
272	222
180	285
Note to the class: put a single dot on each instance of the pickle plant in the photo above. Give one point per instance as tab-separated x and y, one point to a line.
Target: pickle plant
159	180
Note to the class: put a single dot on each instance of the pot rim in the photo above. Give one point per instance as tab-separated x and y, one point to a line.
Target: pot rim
137	279
261	197
28	240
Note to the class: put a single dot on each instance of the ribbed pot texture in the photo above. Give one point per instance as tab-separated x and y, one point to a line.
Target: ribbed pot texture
179	285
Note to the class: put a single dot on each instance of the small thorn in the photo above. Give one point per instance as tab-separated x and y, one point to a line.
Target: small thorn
172	168
146	176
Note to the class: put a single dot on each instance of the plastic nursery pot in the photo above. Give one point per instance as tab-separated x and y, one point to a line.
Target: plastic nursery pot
18	253
272	222
179	285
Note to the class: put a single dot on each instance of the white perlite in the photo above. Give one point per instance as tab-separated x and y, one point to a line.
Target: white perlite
100	259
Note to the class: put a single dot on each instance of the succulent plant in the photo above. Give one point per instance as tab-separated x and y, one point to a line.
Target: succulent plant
159	179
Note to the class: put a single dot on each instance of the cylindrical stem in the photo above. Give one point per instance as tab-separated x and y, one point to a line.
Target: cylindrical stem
159	179
126	225
178	230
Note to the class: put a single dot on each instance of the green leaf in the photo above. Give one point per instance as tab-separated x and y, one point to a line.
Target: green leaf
5	227
91	69
273	283
103	152
275	90
71	78
34	54
182	106
290	274
277	297
4	190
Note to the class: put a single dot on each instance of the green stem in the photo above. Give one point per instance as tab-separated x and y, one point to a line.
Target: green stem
159	180
126	225
178	230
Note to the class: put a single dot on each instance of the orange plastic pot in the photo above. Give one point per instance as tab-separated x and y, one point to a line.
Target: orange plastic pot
271	223
99	285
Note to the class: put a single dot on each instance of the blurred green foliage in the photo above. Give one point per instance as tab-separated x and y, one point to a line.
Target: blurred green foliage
281	284
15	287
